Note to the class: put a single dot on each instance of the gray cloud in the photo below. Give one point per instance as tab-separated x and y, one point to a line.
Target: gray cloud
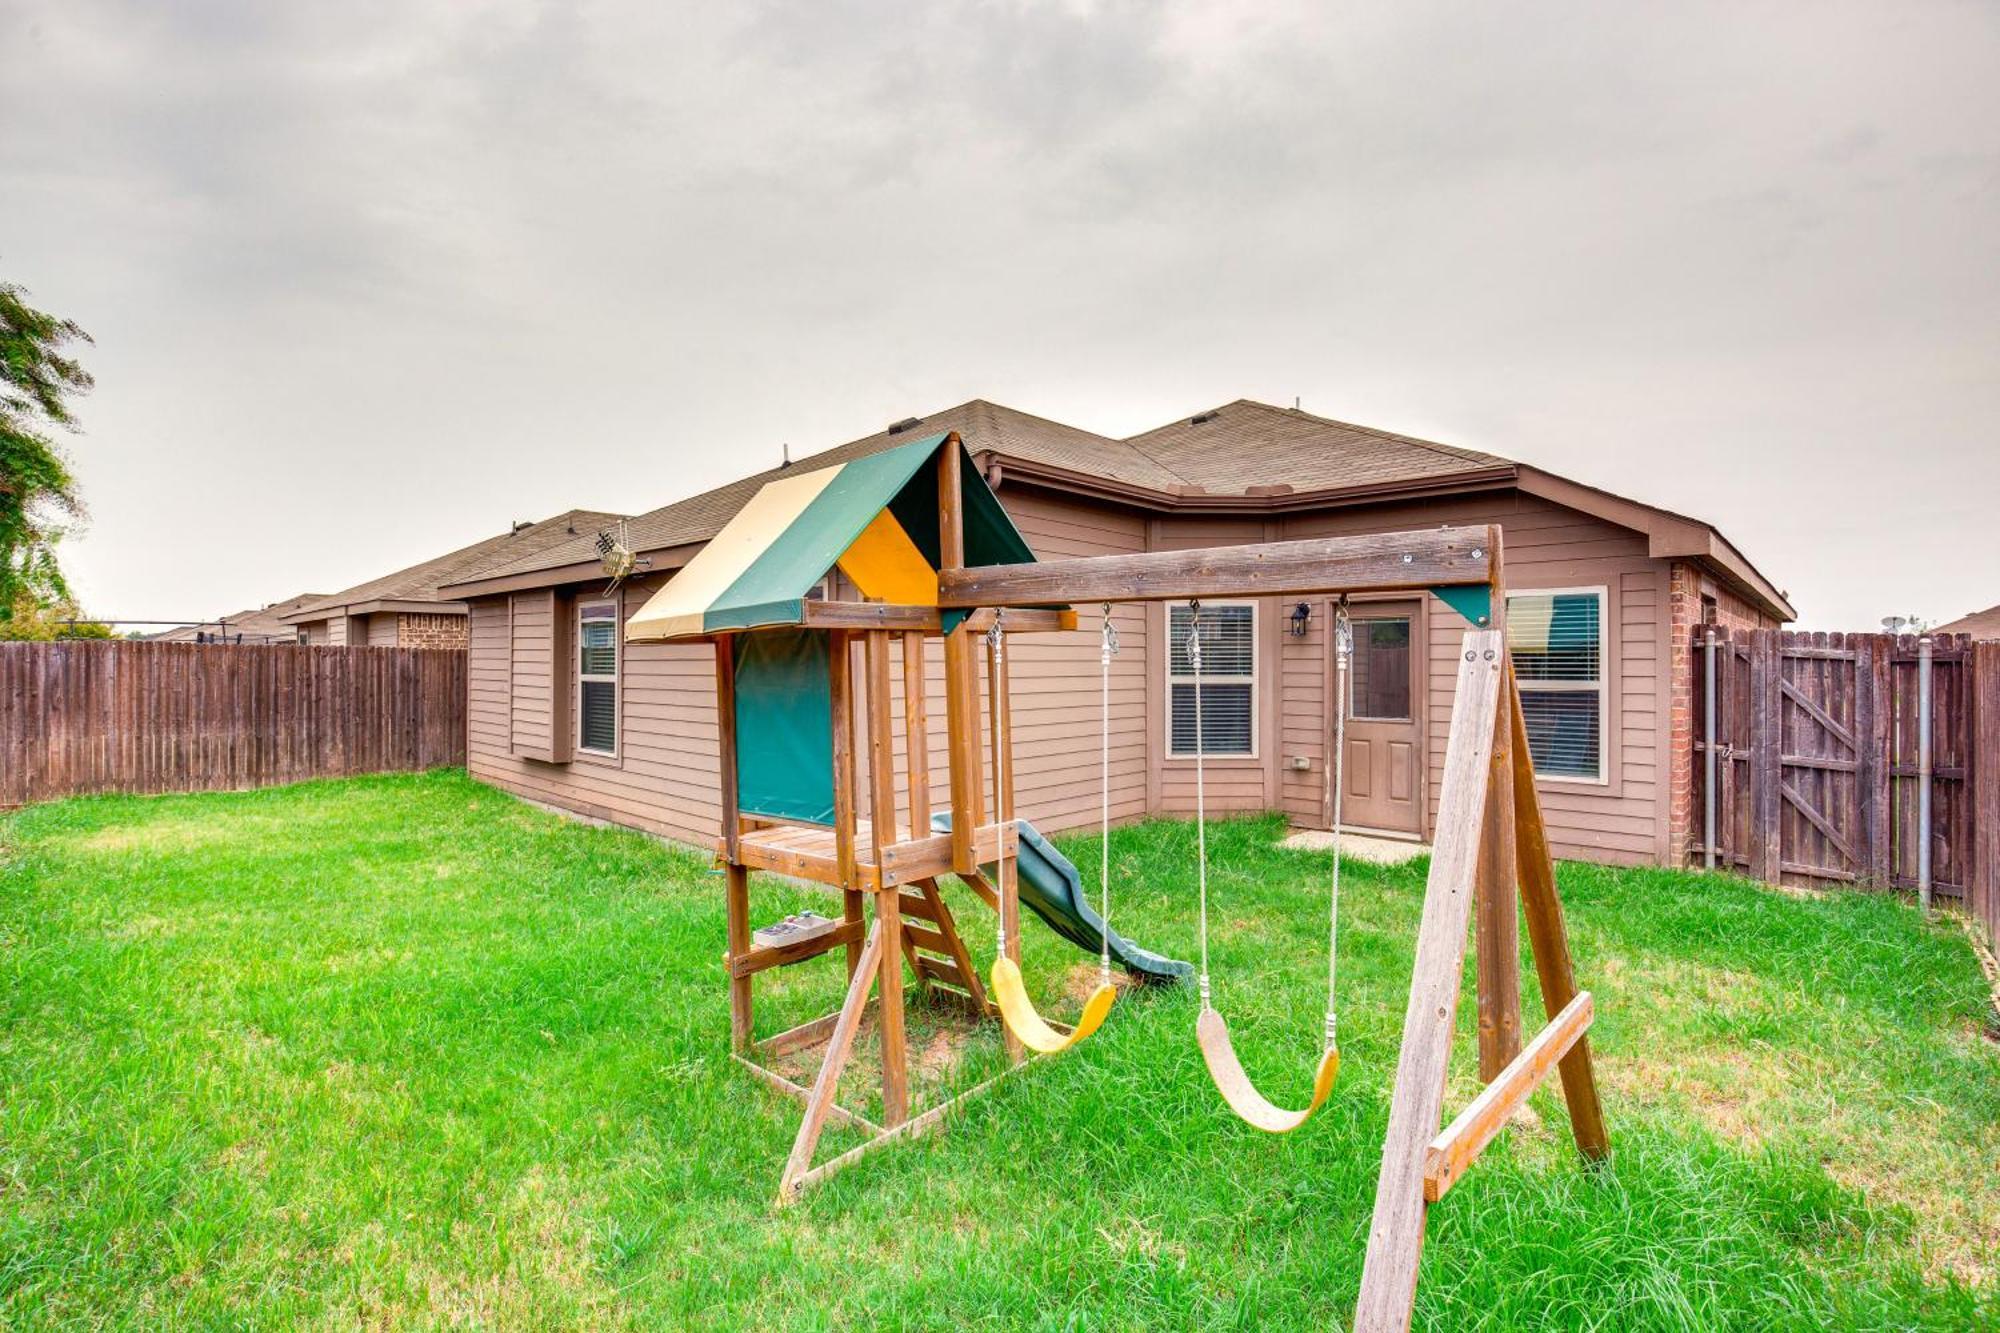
372	279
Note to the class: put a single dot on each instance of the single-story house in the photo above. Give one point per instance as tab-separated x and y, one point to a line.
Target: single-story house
1604	593
1980	624
406	610
259	625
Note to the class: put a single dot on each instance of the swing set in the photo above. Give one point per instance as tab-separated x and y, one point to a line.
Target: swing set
804	693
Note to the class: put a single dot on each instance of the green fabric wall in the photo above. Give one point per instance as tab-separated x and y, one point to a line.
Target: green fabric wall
784	725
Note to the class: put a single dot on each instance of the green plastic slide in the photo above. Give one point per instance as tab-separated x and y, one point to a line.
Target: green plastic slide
1050	886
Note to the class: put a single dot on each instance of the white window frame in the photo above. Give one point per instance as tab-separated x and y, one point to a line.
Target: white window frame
1210	678
604	611
1602	687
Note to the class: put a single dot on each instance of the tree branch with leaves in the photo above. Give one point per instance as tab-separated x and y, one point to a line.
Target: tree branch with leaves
38	497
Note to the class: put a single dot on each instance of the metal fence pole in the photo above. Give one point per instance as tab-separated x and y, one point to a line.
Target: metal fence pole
1924	771
1709	757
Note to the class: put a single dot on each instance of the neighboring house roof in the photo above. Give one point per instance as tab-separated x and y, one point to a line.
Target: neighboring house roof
1244	456
257	625
417	587
1980	624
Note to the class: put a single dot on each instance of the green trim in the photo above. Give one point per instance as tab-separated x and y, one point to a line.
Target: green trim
784	725
1474	601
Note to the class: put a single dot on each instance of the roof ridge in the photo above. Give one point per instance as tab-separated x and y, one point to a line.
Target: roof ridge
1435	446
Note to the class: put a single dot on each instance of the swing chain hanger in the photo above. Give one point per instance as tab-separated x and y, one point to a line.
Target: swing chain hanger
1108	639
1194	635
1343	631
996	636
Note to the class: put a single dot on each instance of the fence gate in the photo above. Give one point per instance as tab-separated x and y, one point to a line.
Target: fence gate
1819	771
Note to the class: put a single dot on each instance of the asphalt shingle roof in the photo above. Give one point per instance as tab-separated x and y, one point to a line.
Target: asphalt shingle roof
421	582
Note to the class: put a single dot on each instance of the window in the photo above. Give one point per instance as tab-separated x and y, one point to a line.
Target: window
1381	684
1228	680
597	679
1556	640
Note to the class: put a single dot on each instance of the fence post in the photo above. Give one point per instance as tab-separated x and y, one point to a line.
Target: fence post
1709	763
1924	771
1766	760
1982	888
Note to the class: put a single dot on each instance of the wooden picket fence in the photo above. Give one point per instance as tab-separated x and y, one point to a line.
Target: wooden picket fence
1818	773
157	717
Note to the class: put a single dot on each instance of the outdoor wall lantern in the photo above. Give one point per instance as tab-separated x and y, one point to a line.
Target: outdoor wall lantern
1300	614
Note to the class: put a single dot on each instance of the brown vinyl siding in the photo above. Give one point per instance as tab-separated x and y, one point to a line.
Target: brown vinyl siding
663	779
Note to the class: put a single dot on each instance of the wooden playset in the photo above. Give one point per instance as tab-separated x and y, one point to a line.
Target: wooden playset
923	540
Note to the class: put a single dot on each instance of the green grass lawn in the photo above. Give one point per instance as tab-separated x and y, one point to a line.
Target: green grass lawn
404	1051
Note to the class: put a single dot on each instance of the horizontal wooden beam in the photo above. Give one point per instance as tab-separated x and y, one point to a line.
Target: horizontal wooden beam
812	1032
1453	1151
915	1127
1376	562
755	960
926	619
835	1112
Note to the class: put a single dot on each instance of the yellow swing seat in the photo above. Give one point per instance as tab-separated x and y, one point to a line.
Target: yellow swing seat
1256	1110
1017	1011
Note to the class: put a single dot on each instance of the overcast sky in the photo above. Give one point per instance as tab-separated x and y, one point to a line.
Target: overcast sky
370	279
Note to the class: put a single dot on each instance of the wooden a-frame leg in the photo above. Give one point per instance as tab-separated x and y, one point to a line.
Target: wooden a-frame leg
1548	937
1396	1235
827	1083
1497	929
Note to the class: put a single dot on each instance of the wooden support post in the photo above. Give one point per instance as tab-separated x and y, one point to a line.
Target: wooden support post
736	886
827	1082
916	735
888	909
1548	937
1497	932
1766	758
736	878
1001	708
1396	1235
840	686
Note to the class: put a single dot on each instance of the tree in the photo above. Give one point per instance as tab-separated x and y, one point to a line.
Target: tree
38	498
32	621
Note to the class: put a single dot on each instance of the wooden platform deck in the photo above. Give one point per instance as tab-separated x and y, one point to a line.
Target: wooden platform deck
809	852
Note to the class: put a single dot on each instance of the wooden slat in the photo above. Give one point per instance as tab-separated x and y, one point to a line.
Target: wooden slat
1453	1151
1396	1233
1377	562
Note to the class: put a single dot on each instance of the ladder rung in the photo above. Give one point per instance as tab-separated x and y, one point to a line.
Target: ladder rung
938	969
926	938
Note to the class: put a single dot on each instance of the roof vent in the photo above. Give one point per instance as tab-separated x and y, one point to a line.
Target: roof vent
521	525
897	428
785	460
1201	418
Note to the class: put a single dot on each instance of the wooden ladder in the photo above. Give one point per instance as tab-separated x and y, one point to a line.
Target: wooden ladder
936	950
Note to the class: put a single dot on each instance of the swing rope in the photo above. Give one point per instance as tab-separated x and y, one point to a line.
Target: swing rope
1200	807
1106	650
1211	1031
1010	992
1343	656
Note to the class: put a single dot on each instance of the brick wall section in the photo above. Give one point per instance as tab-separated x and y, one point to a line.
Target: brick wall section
1687	585
427	631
